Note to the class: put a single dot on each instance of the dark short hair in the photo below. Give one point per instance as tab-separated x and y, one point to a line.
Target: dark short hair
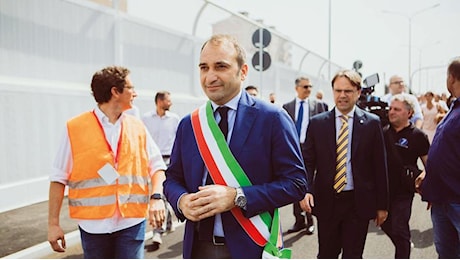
105	79
454	68
160	95
297	80
351	75
251	87
218	39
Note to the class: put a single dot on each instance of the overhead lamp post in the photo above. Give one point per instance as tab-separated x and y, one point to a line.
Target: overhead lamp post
409	19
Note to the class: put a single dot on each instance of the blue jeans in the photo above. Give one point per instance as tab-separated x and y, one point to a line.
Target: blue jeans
446	228
123	244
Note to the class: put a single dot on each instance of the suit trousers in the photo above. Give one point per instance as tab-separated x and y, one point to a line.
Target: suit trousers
397	225
299	218
343	231
205	249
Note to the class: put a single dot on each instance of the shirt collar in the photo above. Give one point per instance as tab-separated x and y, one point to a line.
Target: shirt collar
297	100
350	114
103	118
232	104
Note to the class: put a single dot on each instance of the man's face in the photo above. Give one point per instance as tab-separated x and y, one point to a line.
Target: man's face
450	81
125	99
303	89
398	115
345	95
252	92
165	103
397	85
219	73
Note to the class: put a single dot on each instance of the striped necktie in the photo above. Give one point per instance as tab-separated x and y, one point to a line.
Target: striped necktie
340	179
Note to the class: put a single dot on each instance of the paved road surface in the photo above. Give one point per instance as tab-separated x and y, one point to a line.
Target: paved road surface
378	245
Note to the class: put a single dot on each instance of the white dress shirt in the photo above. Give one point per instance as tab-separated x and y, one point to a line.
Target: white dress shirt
338	124
162	129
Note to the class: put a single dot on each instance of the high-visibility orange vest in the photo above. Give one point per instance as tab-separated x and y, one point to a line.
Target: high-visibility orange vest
90	197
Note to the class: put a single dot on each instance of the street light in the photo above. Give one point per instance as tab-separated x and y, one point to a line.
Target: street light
409	18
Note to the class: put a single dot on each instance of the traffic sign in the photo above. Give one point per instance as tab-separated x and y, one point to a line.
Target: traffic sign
266	38
266	61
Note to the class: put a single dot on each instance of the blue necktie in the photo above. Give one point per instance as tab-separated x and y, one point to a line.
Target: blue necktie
298	122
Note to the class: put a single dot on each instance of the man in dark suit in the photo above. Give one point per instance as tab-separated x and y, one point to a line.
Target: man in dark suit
301	109
262	139
345	160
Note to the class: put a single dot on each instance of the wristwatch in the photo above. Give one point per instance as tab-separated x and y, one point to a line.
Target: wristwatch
156	196
240	199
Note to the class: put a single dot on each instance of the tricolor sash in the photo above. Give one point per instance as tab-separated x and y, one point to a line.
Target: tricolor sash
225	170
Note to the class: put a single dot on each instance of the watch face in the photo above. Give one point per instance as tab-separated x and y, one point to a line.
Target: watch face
241	201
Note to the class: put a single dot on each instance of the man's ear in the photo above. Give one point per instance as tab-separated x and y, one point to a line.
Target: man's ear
114	91
244	71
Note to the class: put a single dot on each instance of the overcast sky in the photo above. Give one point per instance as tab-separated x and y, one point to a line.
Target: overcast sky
373	31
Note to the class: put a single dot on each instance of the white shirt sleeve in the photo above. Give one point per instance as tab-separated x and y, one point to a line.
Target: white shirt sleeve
63	163
155	159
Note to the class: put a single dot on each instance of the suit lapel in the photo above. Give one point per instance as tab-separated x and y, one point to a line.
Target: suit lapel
290	108
312	107
358	127
245	117
329	130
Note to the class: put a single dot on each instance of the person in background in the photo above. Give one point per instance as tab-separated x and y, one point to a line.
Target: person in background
397	86
430	111
346	171
106	158
405	144
251	133
441	102
440	188
272	98
301	109
319	97
252	90
162	125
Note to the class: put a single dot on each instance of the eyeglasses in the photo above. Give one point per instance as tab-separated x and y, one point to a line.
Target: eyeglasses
345	91
307	86
397	82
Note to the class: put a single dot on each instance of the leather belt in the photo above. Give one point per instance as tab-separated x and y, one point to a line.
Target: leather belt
166	156
345	194
218	241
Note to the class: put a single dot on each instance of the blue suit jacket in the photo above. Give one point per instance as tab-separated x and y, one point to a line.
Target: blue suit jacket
368	159
264	142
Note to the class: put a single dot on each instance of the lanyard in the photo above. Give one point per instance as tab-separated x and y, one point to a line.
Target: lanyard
105	139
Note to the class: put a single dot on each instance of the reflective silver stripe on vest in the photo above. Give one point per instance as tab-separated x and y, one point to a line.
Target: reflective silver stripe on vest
91	183
99	182
99	201
133	179
134	198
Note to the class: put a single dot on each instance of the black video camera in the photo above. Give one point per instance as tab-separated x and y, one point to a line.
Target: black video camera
372	103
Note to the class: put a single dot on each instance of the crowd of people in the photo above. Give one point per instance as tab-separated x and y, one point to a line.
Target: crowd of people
228	166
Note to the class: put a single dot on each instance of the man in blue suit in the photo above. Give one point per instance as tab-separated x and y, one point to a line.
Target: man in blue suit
262	139
345	162
309	107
